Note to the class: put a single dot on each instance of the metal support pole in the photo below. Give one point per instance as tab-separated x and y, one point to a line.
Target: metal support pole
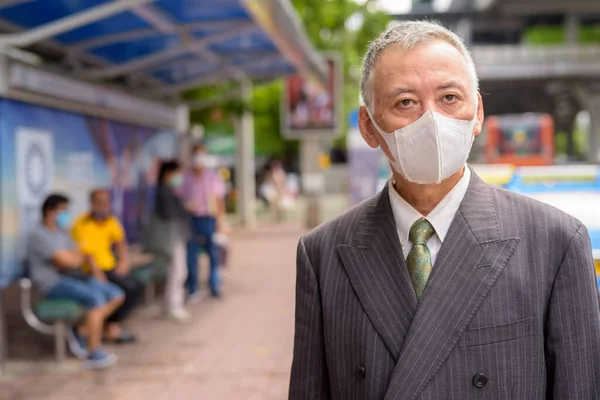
3	339
313	181
60	338
572	29
245	165
464	29
593	155
4	74
182	120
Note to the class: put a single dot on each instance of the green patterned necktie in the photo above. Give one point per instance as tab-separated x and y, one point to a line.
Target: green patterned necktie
419	257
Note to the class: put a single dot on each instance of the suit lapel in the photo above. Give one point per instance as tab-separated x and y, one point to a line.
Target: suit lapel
471	259
377	271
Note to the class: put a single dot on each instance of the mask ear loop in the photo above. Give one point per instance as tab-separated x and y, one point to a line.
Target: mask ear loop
474	120
382	132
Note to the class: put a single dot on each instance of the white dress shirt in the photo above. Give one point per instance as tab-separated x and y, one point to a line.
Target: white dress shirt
440	217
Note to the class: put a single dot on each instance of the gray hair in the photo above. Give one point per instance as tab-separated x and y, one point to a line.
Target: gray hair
407	35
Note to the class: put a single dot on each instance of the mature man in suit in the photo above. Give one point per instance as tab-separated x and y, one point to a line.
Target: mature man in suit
441	286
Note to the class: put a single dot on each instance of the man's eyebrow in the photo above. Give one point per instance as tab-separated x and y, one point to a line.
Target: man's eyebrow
400	90
451	85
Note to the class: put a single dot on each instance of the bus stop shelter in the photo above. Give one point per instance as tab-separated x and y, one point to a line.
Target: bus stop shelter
129	61
157	49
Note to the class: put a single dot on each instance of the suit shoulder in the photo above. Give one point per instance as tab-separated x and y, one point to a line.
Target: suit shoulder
533	211
339	229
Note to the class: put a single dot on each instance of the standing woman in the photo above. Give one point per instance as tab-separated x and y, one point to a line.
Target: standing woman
173	228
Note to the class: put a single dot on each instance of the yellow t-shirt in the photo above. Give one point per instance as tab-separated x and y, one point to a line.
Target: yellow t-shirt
97	238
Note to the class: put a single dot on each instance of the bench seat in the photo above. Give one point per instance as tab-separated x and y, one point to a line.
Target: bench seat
51	310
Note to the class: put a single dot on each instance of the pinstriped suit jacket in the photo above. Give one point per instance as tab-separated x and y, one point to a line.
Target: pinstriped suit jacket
511	310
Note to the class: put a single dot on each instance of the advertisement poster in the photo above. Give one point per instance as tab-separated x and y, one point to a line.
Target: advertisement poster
310	110
369	168
35	165
44	150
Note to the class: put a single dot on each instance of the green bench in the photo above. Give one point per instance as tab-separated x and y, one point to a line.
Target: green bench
150	274
50	317
55	316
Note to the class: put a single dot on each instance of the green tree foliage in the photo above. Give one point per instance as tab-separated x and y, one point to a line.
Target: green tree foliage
326	23
555	35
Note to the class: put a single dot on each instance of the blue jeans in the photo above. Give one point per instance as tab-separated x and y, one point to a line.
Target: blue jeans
90	293
203	229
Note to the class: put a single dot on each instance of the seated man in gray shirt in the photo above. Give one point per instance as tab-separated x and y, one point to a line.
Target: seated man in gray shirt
55	267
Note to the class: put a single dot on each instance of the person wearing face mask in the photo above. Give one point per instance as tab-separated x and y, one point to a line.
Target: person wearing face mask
97	232
441	286
171	233
54	262
203	192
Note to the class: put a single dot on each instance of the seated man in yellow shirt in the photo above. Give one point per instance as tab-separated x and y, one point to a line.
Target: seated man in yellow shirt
97	232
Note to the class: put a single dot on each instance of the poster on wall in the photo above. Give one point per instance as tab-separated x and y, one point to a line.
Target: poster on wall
43	150
131	156
311	111
79	178
80	167
34	152
369	167
35	165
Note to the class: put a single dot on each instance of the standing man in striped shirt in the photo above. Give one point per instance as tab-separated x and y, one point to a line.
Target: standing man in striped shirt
203	192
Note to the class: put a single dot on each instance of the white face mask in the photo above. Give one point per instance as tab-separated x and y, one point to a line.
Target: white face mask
202	160
199	160
432	148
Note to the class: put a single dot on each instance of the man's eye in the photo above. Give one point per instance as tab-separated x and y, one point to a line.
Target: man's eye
450	98
406	103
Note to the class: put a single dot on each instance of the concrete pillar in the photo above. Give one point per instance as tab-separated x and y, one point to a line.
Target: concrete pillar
572	29
313	181
4	74
245	165
464	29
182	119
3	338
593	155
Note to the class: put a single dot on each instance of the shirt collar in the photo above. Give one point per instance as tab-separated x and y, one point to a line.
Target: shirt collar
440	217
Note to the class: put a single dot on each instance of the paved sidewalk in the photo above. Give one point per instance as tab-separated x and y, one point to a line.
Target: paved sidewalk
239	347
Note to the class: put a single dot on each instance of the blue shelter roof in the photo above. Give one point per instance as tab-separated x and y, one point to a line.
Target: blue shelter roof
173	44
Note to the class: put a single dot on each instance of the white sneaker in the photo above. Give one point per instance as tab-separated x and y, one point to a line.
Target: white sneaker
195	298
180	315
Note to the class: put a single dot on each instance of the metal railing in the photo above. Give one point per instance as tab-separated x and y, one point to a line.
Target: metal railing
525	62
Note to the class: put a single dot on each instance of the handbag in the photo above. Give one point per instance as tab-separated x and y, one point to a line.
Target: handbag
158	236
222	243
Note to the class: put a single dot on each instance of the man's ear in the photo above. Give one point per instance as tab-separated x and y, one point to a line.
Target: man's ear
480	116
370	134
367	130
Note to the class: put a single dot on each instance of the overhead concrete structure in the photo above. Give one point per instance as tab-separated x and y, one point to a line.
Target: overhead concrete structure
506	21
521	62
517	77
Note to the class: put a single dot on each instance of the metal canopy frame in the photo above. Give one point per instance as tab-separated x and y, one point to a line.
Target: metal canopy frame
54	28
228	42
